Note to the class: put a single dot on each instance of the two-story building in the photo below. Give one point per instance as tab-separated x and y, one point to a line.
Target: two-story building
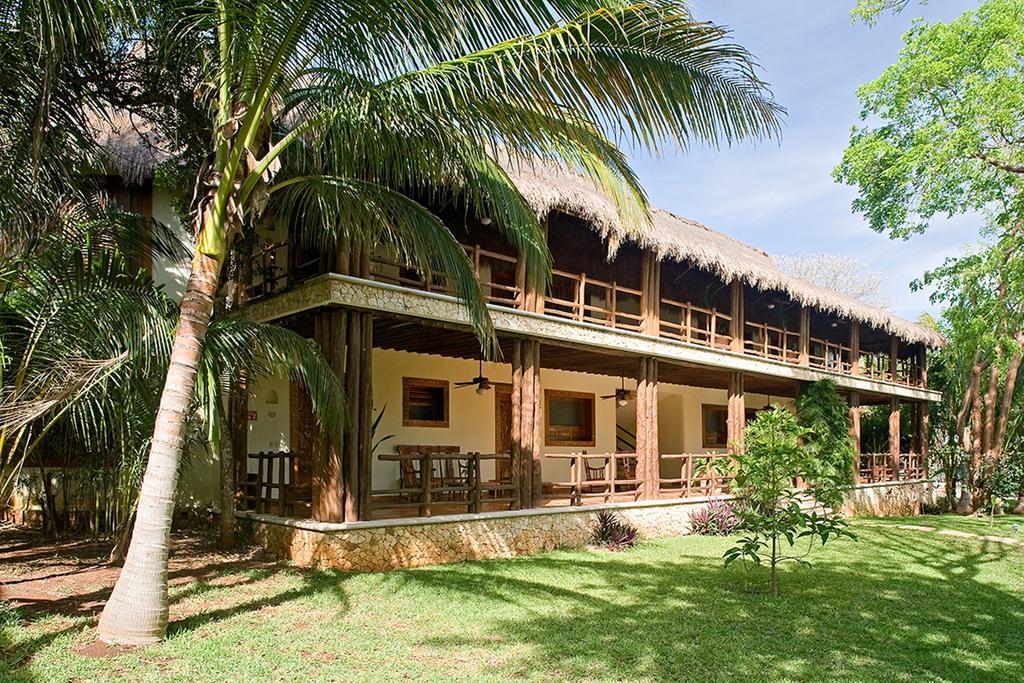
625	383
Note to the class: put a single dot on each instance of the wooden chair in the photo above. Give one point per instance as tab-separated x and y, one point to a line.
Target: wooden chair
592	473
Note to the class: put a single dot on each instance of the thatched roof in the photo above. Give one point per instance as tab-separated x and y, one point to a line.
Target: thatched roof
548	188
134	153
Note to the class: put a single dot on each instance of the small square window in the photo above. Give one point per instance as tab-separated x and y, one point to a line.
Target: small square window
570	418
424	402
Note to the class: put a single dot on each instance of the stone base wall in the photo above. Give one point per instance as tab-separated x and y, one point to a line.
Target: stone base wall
404	543
398	544
890	499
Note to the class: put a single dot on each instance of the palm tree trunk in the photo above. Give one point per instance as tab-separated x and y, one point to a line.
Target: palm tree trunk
136	612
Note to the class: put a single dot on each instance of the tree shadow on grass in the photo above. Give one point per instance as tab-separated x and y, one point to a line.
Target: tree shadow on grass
905	609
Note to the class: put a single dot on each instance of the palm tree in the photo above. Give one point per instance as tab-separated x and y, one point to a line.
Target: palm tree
84	343
342	111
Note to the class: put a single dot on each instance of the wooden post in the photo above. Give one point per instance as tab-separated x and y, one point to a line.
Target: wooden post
855	432
738	322
854	347
642	430
647	453
650	293
805	336
894	436
736	415
536	424
330	493
894	352
527	421
238	418
922	361
366	417
518	447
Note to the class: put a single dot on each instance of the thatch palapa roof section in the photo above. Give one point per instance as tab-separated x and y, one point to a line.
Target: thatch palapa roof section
135	154
548	188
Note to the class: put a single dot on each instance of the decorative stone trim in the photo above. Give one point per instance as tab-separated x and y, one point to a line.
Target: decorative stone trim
344	290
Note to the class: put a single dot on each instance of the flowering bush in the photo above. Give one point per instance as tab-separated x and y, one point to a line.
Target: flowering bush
613	533
717	518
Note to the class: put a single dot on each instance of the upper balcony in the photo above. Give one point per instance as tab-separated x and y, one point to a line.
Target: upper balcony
688	303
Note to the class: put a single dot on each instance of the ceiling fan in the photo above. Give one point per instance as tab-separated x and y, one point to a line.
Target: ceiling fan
622	395
482	383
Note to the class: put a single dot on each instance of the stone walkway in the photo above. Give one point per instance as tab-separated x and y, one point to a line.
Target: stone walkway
949	532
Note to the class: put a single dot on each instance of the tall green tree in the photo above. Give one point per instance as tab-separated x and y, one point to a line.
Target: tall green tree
944	135
342	111
944	130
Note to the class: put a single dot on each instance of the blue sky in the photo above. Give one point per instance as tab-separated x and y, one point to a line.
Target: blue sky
781	197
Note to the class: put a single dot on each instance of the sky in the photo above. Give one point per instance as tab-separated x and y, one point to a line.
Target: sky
780	196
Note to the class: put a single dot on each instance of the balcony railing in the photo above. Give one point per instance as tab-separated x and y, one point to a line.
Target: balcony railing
429	480
700	474
769	341
599	477
584	299
686	322
878	467
581	298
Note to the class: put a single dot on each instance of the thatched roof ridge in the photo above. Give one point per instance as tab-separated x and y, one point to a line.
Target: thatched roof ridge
135	154
548	188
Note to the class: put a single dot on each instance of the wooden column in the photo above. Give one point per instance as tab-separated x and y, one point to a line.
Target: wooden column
894	434
854	347
854	400
894	353
527	421
238	424
330	494
736	310
922	360
647	451
736	417
805	336
650	293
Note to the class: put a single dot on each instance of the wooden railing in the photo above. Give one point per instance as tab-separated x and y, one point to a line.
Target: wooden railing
769	341
496	272
273	485
878	467
700	474
686	322
829	355
603	476
449	478
584	299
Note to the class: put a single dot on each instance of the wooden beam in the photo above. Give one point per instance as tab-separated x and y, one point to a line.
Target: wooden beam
537	423
653	448
922	361
366	417
736	415
854	347
642	430
737	323
855	431
518	451
894	435
330	494
353	370
805	336
894	354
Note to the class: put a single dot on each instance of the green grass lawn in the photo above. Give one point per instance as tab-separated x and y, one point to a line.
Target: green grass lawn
1000	525
895	605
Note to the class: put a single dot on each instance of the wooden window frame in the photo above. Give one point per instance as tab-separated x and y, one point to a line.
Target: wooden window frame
556	394
409	382
748	415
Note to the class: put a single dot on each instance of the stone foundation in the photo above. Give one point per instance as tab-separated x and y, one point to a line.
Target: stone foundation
402	543
889	499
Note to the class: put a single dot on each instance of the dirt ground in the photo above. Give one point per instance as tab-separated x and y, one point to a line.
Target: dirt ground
71	576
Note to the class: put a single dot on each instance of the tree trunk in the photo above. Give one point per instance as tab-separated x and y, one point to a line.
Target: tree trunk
774	581
124	539
1018	509
136	612
227	483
